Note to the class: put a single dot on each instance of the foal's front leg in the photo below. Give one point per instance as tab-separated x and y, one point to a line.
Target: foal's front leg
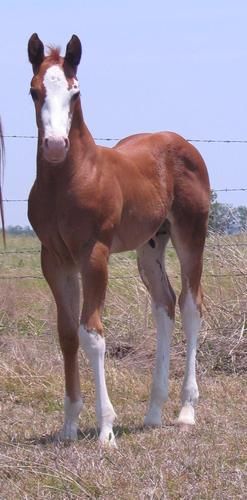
64	284
94	277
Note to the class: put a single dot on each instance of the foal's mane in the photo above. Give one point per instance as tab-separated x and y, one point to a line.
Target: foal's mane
54	53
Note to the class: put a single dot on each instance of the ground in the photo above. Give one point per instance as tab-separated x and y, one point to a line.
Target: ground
206	462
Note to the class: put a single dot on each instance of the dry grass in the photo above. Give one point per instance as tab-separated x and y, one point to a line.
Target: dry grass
207	463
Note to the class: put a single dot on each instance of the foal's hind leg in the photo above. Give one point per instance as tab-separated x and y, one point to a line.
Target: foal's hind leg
152	271
189	243
190	306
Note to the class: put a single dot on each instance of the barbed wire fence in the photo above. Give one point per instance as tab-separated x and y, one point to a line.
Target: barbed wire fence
216	246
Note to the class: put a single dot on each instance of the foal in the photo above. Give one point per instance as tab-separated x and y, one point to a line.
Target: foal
90	201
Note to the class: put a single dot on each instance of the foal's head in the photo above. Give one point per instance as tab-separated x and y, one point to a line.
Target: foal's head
55	91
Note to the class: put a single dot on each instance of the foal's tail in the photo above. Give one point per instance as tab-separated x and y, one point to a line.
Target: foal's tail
2	163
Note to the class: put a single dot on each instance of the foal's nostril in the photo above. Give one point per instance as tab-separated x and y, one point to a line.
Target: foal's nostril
66	142
46	142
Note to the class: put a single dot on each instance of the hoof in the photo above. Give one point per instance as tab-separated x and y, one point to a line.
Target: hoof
186	416
148	422
153	418
107	439
68	433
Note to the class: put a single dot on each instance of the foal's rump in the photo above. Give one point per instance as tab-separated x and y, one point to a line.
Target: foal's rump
169	158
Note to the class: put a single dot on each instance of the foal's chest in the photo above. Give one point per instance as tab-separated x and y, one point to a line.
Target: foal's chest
59	227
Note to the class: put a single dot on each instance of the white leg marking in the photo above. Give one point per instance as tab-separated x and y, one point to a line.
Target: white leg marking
191	321
71	416
159	391
94	347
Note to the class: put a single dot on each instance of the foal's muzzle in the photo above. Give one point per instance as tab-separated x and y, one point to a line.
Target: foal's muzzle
55	149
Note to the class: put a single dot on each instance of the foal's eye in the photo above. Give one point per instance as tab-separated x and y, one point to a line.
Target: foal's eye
34	94
75	96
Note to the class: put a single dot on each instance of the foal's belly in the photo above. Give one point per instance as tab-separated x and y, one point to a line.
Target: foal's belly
134	234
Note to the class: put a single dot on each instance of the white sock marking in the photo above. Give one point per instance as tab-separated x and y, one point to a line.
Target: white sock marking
159	391
191	321
94	347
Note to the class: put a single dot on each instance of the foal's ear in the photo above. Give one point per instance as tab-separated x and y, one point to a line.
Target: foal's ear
73	52
35	51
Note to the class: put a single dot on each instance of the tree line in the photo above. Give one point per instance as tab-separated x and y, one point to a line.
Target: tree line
225	218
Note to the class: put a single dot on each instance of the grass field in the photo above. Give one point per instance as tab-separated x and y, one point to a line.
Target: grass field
208	462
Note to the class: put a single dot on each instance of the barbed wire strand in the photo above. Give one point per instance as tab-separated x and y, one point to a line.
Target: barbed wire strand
209	246
108	139
12	200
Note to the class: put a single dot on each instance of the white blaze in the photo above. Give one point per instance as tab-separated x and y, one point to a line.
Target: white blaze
56	114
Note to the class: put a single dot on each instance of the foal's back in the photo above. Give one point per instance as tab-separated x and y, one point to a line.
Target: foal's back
169	153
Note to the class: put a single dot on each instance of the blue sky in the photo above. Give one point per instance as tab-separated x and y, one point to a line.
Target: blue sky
146	66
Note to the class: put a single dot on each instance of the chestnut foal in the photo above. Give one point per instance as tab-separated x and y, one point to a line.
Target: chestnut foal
90	201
